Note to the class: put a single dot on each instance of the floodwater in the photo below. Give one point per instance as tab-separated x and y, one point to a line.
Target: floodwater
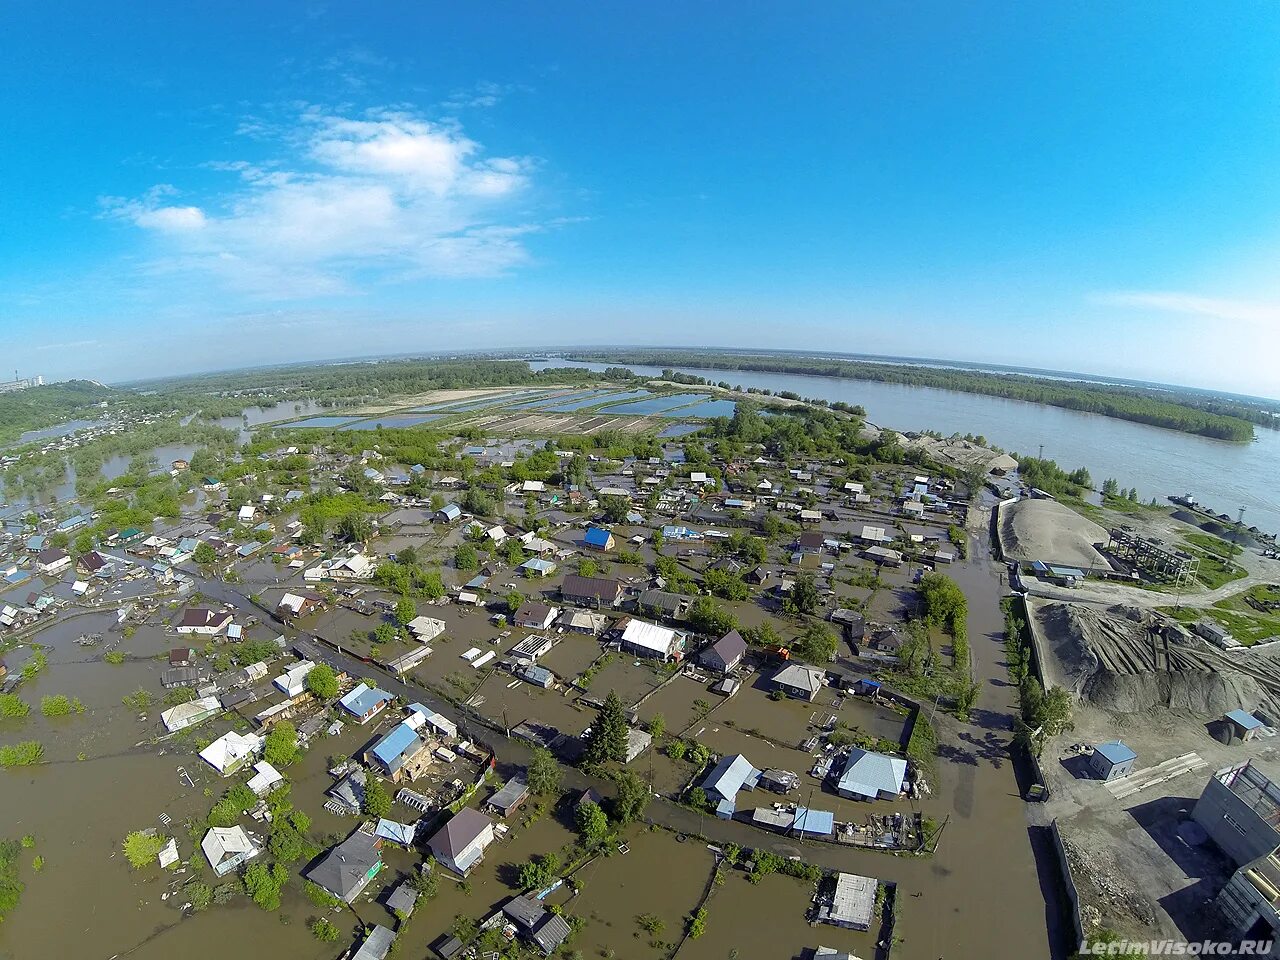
679	430
58	430
1224	476
712	408
399	421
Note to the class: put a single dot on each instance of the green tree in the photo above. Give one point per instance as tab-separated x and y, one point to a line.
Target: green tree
514	599
205	555
142	848
817	644
544	772
803	598
592	824
324	931
377	801
657	726
355	528
281	747
708	617
539	871
322	681
465	557
615	508
406	611
263	884
608	738
631	798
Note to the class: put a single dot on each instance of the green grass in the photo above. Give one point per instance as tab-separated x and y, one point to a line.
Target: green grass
1210	543
1246	624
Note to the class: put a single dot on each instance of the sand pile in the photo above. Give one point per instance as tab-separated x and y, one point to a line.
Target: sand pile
1126	660
1046	530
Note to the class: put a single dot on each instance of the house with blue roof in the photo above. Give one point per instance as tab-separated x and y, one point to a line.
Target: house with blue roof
814	823
871	776
538	567
1113	760
598	539
73	523
365	702
727	777
400	753
36	543
448	513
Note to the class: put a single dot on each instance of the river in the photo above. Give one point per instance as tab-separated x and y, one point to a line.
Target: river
1223	476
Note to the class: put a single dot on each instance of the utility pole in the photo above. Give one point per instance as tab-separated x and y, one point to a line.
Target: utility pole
1041	457
1237	547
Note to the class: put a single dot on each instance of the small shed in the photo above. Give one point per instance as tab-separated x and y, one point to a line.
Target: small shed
513	793
1112	760
1245	725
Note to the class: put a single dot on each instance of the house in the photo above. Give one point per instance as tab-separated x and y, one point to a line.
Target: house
779	781
365	702
402	899
182	656
851	903
294	680
659	603
449	513
727	777
227	847
810	542
512	794
594	592
426	629
92	562
799	681
581	621
533	615
296	605
538	567
348	867
597	538
884	556
725	654
538	676
355	567
231	750
205	622
438	722
535	923
531	648
1214	632
52	560
871	534
871	776
1113	760
190	713
376	945
400	753
247	513
638	742
650	640
460	844
265	778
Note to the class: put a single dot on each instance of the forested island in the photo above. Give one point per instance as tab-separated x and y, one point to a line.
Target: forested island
1206	416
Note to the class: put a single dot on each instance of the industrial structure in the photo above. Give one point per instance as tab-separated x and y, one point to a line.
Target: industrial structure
1153	557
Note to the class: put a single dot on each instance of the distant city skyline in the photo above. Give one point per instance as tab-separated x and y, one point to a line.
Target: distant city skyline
1085	188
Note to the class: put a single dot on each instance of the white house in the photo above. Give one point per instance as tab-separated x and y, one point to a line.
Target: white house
247	513
651	640
460	843
227	847
229	752
294	680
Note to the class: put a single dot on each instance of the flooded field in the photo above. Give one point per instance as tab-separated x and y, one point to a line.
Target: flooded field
399	421
656	404
660	878
594	398
679	430
785	902
712	408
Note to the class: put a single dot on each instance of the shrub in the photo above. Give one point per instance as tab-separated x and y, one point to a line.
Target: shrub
142	848
12	705
22	754
324	931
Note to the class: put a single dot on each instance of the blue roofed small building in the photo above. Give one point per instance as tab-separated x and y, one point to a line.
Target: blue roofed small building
365	702
538	567
1244	724
814	823
871	776
1111	761
448	513
731	774
598	539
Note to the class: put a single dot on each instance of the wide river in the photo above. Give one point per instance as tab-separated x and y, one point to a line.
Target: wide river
1223	476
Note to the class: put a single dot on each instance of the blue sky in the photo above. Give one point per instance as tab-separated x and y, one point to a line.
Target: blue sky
1080	186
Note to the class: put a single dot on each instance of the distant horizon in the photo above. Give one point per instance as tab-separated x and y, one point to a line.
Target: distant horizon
506	353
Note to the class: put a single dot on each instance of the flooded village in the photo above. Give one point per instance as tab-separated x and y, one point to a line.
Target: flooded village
608	669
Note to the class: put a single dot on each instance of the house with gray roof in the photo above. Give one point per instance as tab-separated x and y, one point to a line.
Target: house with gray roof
348	867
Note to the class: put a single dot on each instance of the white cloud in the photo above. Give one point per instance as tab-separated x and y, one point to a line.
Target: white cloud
382	197
1190	304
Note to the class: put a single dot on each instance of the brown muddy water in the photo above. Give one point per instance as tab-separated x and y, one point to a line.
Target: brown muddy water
980	895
